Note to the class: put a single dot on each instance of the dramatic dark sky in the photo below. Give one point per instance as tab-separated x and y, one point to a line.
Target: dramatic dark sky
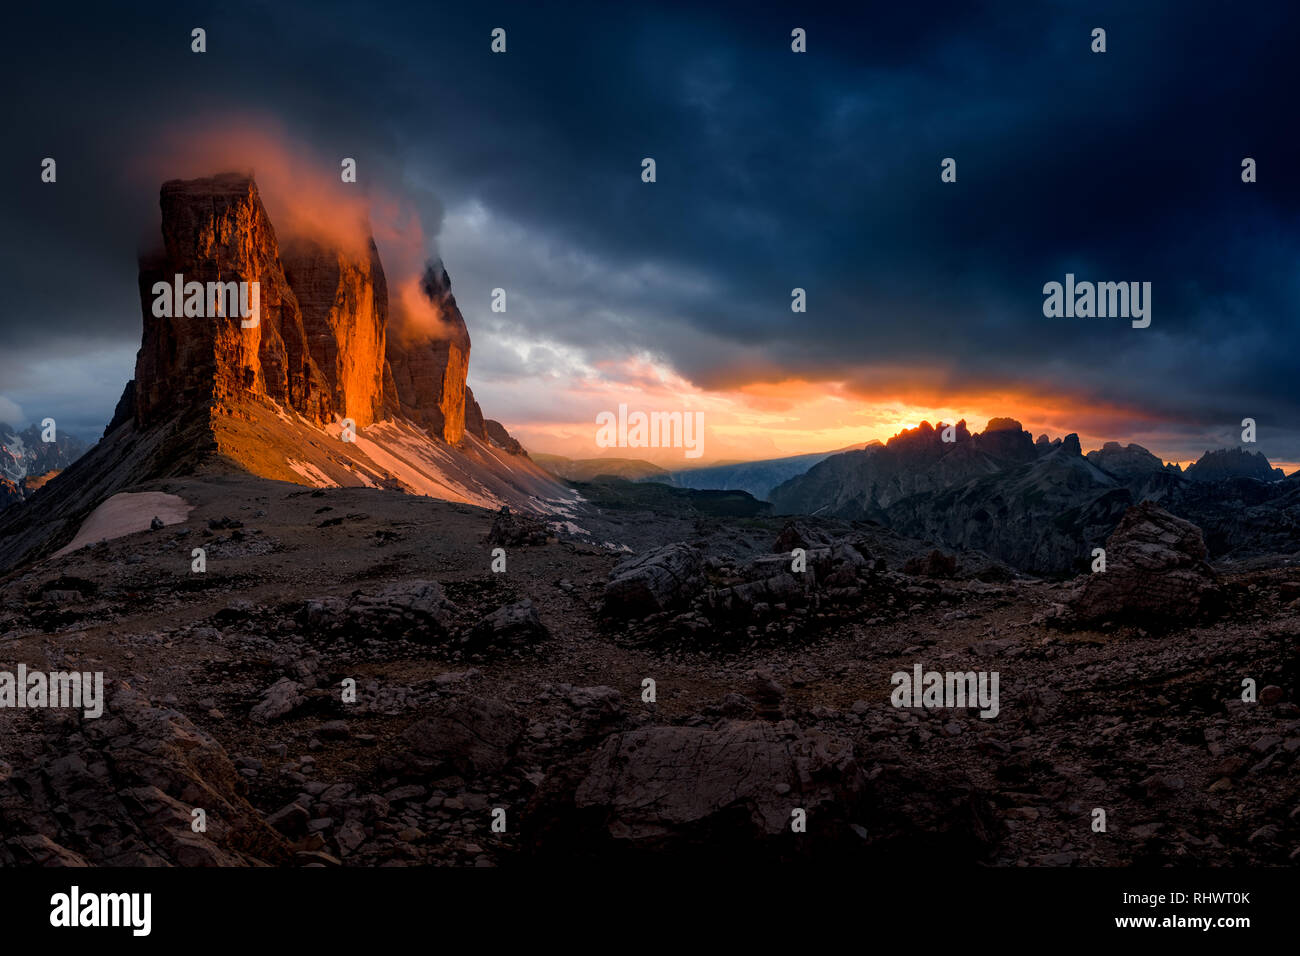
775	170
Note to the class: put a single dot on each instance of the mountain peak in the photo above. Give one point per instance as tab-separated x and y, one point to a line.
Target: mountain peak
1125	460
1233	463
322	346
1002	425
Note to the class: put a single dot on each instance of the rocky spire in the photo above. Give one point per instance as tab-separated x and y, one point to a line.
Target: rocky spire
323	345
216	230
429	367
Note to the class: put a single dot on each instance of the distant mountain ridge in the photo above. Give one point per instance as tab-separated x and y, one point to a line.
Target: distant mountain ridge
1042	505
27	463
758	478
24	453
585	469
862	484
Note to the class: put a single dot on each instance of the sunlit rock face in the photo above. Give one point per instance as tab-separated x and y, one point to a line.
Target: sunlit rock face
323	345
344	303
217	230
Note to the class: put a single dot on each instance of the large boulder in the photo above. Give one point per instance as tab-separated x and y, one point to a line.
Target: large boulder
771	589
658	580
414	610
798	534
596	711
279	700
120	790
512	529
739	602
661	785
936	564
514	625
728	793
1156	573
466	734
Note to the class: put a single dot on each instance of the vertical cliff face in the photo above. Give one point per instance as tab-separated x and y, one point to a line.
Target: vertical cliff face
323	346
429	370
344	304
216	230
475	423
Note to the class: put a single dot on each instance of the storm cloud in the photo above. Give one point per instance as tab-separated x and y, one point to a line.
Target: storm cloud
774	170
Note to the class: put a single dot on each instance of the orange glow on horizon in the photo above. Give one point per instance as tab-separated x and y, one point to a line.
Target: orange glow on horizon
771	420
762	420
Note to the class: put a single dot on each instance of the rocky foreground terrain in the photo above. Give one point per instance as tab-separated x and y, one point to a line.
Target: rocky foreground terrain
524	691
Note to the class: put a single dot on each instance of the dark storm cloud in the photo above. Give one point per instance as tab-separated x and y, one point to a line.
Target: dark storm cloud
775	171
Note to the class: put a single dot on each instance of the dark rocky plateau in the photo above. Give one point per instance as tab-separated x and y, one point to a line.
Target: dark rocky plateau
523	691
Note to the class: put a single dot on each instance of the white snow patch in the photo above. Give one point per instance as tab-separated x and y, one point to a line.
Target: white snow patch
435	485
126	513
311	473
556	506
279	412
18	451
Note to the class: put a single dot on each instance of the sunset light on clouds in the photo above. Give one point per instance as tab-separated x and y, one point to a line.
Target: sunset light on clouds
676	295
